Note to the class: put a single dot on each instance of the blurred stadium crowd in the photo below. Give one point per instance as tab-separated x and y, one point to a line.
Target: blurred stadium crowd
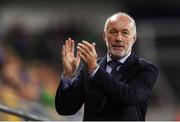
30	65
24	73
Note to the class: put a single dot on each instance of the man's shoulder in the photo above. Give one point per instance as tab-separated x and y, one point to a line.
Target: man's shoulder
146	64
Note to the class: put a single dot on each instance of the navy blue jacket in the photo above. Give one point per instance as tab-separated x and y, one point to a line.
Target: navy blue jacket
124	96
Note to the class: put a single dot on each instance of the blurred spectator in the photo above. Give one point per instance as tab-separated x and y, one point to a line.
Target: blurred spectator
11	83
31	80
49	85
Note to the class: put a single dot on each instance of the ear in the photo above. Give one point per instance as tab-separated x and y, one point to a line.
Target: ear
134	38
104	36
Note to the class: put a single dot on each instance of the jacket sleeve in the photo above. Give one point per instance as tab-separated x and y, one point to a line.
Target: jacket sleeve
137	90
69	100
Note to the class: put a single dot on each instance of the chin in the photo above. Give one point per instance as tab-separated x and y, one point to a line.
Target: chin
118	56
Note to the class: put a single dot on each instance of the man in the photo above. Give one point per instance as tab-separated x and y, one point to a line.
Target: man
117	86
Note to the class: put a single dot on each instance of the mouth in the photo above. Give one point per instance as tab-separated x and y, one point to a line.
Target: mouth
118	46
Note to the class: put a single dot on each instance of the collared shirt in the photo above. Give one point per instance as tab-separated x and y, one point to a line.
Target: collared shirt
122	60
68	81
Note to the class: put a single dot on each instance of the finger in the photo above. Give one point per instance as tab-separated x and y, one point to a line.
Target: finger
63	51
78	58
88	45
83	57
82	51
84	47
72	46
66	46
69	44
94	45
86	56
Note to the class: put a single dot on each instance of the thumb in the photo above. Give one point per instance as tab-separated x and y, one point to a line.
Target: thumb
94	45
78	57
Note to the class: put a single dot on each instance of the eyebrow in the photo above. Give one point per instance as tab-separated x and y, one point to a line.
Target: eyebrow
125	30
114	29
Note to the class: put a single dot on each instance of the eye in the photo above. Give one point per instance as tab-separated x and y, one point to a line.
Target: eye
126	33
113	31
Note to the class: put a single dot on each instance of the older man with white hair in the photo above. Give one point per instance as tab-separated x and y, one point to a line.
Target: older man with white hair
117	86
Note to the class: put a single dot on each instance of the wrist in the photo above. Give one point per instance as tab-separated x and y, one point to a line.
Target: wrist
68	75
93	68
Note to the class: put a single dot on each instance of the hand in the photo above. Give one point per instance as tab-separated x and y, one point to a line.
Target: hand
70	62
88	54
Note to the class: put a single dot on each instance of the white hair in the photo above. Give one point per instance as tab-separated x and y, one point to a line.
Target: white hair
121	14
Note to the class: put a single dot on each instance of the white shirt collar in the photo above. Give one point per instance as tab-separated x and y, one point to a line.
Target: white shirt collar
122	60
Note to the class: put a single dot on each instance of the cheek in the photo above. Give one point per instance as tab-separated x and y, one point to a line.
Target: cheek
129	44
110	37
107	43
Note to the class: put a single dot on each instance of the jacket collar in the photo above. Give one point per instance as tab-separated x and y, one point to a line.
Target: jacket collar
131	60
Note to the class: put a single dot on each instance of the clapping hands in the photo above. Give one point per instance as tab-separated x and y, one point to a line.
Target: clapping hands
85	51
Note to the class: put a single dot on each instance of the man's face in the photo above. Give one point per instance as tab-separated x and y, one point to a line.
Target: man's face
119	36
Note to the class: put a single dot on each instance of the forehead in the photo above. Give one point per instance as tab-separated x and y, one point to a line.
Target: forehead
120	22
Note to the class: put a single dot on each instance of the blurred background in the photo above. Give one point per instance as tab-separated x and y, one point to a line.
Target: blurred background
32	33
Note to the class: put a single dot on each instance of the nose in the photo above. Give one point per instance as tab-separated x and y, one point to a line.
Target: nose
119	37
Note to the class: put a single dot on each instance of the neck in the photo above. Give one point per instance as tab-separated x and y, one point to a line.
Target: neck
121	59
116	57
